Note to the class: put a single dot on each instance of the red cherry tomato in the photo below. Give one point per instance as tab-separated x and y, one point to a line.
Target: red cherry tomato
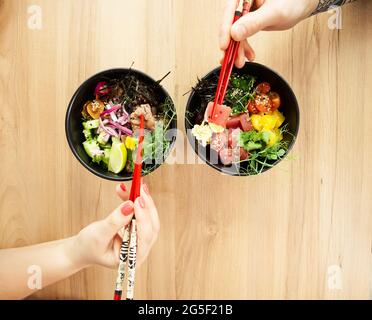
252	107
263	88
275	101
263	103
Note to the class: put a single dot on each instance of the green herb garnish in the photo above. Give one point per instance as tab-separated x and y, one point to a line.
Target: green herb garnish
156	145
239	92
261	156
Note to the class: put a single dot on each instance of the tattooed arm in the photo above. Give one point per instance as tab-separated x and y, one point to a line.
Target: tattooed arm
23	270
325	5
268	15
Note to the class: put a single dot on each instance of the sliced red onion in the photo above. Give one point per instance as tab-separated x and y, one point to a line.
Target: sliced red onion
110	111
112	131
123	120
126	114
113	117
121	128
108	130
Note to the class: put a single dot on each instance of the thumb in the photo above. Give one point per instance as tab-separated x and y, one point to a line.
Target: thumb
120	218
252	23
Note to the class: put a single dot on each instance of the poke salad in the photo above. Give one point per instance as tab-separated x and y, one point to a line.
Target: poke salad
111	122
246	132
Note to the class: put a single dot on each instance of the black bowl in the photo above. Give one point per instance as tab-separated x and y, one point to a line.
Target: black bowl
74	128
289	108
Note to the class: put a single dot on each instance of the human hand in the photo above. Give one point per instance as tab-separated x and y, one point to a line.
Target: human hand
266	15
100	242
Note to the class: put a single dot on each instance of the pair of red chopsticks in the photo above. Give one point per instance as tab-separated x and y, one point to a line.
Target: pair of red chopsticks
128	251
229	61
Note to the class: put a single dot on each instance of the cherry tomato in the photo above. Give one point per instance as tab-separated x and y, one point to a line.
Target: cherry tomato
263	88
263	103
252	107
275	101
94	108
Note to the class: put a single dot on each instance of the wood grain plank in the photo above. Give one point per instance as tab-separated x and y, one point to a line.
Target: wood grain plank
268	237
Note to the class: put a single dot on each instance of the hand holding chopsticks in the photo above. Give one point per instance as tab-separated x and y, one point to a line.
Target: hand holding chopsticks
229	29
228	62
147	227
128	250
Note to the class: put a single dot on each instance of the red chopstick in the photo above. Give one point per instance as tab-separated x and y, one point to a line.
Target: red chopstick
225	63
130	231
136	183
228	62
135	192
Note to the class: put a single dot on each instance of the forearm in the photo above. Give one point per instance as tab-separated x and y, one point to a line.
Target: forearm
324	5
23	270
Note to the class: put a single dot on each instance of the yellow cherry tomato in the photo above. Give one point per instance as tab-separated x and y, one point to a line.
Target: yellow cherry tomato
94	108
130	143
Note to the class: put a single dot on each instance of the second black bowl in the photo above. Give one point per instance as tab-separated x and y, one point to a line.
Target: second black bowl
289	107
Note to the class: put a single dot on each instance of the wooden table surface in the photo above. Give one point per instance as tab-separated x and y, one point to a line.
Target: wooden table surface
300	231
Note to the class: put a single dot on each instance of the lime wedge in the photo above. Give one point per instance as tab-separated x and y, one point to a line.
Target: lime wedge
118	158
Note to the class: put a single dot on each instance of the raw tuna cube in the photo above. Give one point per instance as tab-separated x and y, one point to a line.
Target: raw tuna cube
233	123
222	114
245	122
233	137
219	141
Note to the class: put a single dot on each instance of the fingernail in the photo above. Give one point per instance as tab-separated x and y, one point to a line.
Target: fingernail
123	187
146	189
127	209
141	202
